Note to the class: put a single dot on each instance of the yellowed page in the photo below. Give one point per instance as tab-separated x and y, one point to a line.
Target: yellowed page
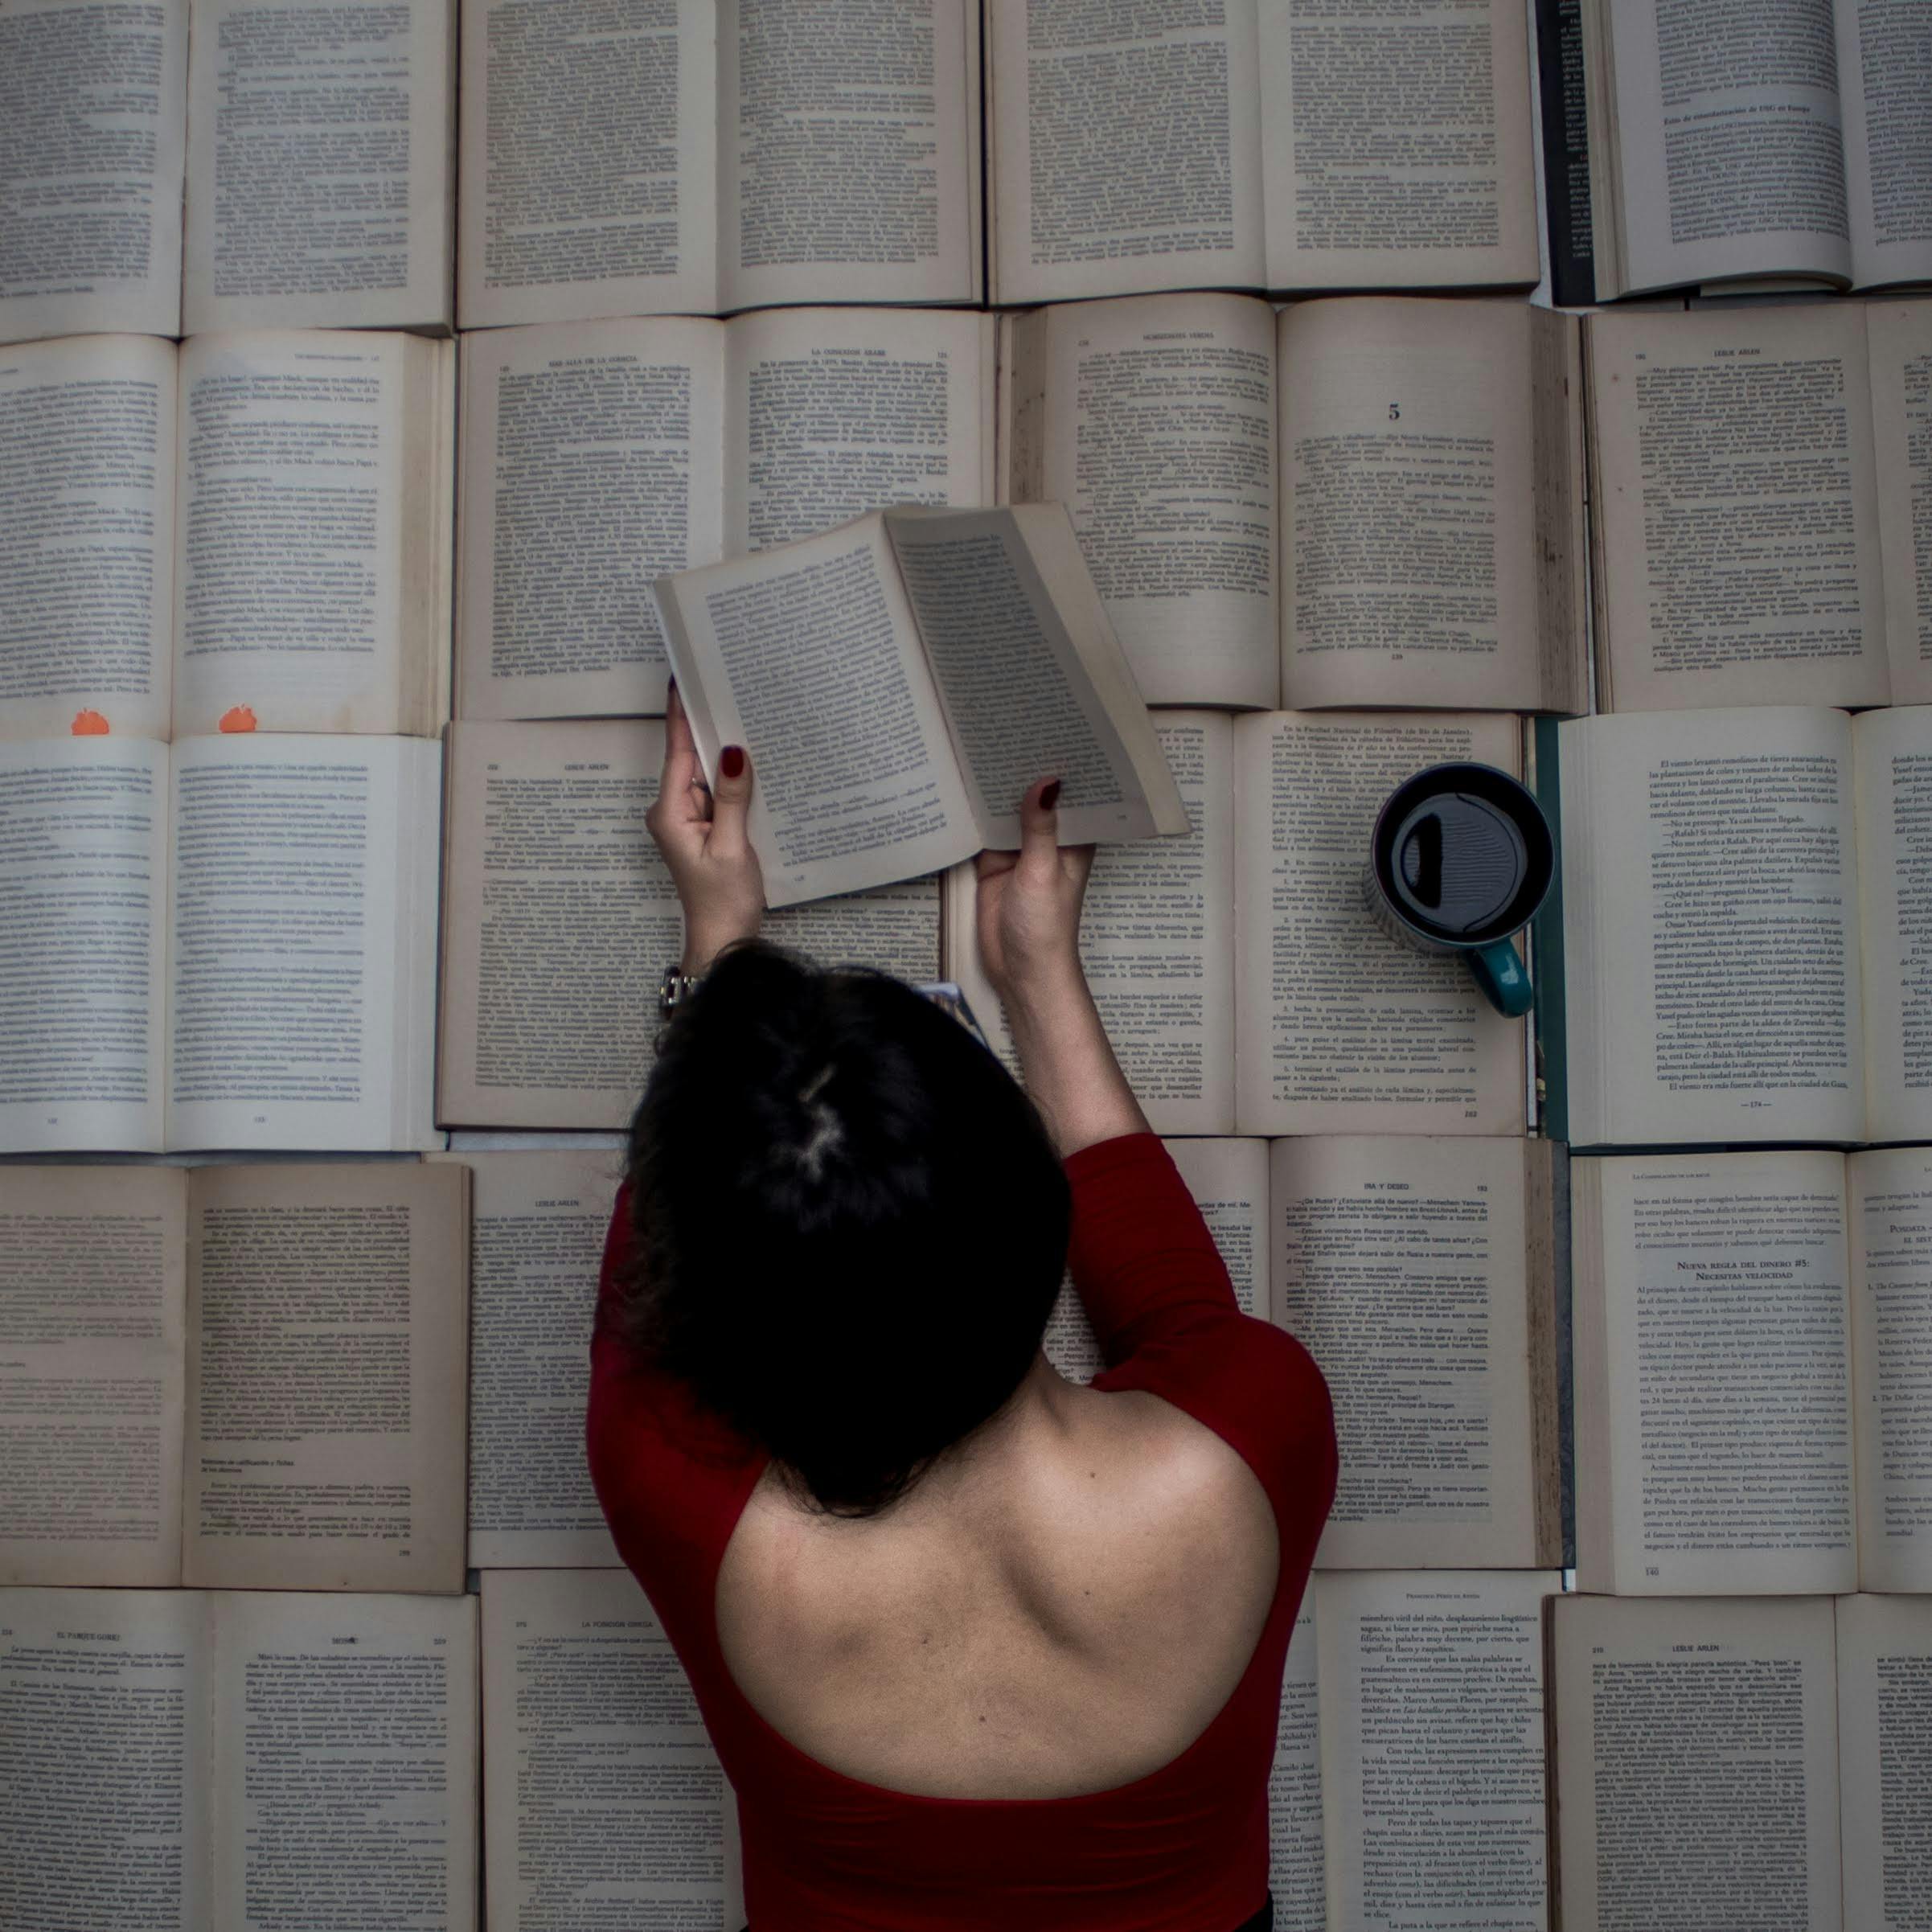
1888	1214
578	1671
302	992
1740	535
87	552
1727	1316
538	1222
1396	146
1398	1262
1893	767
1340	1029
549	234
108	1733
1297	1876
1710	902
1156	942
1125	148
320	165
327	1376
294	529
82	948
1157	433
1885	56
830	412
1410	512
97	108
93	1301
1420	1672
1885	1679
843	154
1899	342
1696	1773
1731	160
591	461
560	918
346	1761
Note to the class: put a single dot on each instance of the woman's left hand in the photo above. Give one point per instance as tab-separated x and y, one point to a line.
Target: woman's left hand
701	834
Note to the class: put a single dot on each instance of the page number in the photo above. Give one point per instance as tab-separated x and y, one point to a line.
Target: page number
1395	413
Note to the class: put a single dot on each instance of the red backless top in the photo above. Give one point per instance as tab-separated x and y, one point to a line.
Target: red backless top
1183	1849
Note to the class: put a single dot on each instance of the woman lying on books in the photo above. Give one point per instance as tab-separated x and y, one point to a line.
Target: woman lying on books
974	1644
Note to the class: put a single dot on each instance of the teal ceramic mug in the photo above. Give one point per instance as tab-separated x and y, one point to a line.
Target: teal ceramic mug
1461	857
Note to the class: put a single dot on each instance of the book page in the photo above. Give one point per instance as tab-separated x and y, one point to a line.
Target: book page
808	657
1888	1213
1410	525
591	464
1030	675
1339	1028
1432	1737
299	1004
1884	1696
1228	1180
554	229
560	918
1397	150
1125	147
320	178
1893	766
537	1226
292	520
1739	534
1399	1262
346	1761
84	887
328	1312
93	98
1697	1772
1156	938
1899	342
604	1798
92	1298
1710	927
1727	1321
1156	429
843	152
104	1733
830	412
1885	58
87	523
1731	158
1297	1864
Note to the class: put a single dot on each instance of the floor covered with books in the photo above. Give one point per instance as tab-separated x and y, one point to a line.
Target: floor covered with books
1234	408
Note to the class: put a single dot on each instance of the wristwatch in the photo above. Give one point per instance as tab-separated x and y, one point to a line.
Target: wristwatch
675	985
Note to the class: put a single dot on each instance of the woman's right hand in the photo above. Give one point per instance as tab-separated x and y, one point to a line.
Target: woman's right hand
1029	903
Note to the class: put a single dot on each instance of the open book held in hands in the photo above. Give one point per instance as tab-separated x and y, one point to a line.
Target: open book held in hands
901	681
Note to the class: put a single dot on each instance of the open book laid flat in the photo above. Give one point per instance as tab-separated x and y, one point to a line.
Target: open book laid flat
1763	496
258	1758
1753	1757
1387	1672
1783	139
1746	926
252	532
900	681
225	942
1245	985
237	1377
1751	1371
308	146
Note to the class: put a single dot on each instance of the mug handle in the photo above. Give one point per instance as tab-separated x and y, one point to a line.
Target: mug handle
1498	970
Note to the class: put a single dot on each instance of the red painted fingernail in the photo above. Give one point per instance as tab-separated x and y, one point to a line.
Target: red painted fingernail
731	760
1049	795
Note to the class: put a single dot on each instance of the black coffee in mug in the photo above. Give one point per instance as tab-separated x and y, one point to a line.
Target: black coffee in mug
1461	857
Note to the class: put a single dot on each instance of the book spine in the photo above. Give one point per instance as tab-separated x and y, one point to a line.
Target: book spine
1565	152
